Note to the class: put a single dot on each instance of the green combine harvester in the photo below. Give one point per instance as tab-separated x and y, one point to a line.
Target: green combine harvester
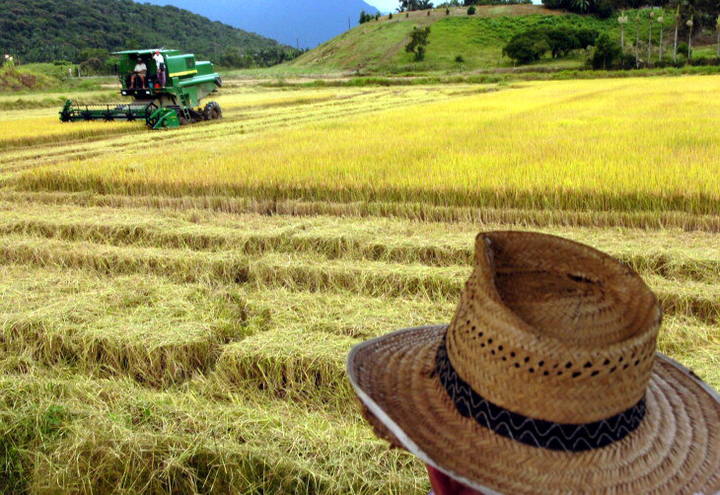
162	104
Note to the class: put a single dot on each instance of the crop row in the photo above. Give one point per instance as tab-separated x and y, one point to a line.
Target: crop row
668	254
420	212
303	272
288	344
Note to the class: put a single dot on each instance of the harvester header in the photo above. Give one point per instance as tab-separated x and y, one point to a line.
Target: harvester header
166	86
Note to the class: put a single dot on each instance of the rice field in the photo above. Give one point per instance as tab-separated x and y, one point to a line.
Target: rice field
176	307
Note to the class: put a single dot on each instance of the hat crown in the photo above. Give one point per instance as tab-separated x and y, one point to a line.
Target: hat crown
553	330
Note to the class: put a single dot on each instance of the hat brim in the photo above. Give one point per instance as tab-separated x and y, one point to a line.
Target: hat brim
675	450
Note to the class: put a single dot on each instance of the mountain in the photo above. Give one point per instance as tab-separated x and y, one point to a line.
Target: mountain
48	30
306	23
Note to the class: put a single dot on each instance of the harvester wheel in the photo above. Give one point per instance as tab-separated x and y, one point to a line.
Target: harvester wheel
212	111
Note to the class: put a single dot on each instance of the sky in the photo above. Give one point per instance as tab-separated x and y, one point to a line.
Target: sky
384	5
391	5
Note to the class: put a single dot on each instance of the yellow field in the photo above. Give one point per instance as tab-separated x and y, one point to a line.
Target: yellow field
176	307
618	144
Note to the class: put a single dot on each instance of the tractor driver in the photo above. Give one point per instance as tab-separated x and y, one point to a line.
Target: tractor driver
140	71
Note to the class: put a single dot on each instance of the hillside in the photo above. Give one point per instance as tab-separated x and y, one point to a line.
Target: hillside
303	22
379	45
47	30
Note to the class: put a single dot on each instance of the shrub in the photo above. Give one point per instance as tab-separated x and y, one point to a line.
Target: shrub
390	16
627	61
459	59
607	53
604	9
561	40
447	11
703	61
365	17
418	42
472	10
684	50
586	37
526	47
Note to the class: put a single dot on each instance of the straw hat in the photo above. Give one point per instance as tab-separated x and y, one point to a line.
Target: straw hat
545	381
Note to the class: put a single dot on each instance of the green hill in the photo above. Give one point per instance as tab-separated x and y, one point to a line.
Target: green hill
378	46
47	30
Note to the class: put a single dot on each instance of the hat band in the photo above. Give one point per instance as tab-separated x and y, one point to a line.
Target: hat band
533	432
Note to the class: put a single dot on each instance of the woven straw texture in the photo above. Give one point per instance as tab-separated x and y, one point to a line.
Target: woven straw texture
561	321
557	331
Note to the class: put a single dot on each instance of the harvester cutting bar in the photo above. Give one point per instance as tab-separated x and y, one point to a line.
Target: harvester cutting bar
72	112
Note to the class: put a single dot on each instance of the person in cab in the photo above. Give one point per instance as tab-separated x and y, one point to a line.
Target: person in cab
161	68
139	72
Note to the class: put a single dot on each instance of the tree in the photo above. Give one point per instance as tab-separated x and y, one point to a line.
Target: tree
582	6
525	48
661	21
622	20
677	29
365	17
406	5
717	28
651	16
561	41
690	25
606	53
471	10
418	42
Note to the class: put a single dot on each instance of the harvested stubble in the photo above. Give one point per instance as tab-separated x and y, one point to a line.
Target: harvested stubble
420	212
114	437
345	314
294	364
144	327
179	265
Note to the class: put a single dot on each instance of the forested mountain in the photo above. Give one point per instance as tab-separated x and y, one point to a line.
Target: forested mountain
48	30
306	23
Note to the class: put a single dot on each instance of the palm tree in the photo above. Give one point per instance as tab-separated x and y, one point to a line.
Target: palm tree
651	15
581	5
637	41
623	19
690	24
717	28
661	21
677	27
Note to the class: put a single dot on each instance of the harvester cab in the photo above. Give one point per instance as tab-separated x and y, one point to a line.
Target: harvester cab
166	86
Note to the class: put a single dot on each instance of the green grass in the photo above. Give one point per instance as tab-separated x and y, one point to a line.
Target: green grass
378	46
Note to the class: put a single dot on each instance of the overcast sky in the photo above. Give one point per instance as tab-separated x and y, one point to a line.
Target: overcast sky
391	5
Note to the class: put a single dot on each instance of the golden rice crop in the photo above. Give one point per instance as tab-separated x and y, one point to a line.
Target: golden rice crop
26	132
619	144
